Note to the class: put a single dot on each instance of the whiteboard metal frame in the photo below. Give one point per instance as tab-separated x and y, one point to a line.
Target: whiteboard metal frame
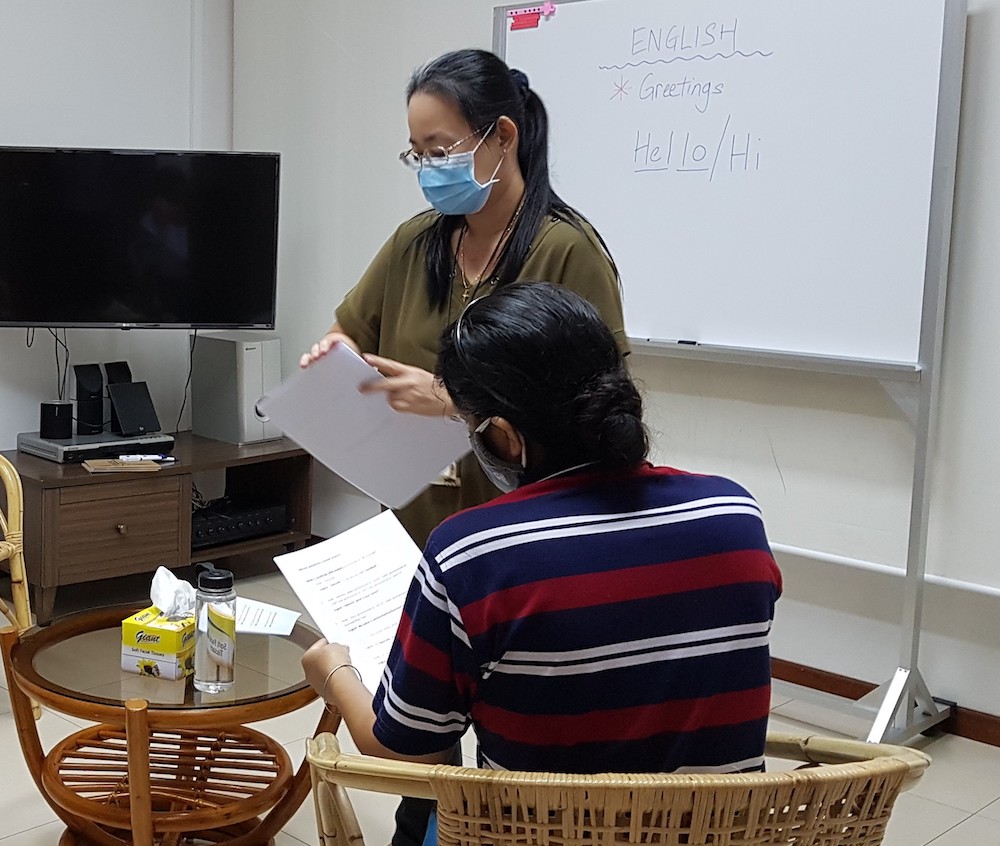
903	705
841	365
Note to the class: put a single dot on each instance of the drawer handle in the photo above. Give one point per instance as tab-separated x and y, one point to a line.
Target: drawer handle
122	529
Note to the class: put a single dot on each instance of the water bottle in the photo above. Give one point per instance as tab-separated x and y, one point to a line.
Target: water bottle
215	635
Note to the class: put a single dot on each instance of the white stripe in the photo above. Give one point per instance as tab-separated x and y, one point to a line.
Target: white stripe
734	767
413	716
459	633
431	589
437	597
604	528
457	624
674	654
582	519
624	647
420	725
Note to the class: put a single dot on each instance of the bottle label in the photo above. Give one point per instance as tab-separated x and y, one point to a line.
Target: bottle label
221	636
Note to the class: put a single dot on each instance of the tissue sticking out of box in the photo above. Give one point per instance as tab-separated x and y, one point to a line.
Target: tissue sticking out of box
172	596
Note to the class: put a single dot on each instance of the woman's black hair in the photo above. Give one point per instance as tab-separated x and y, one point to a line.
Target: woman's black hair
540	356
484	89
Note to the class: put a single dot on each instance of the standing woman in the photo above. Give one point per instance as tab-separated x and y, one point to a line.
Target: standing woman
479	148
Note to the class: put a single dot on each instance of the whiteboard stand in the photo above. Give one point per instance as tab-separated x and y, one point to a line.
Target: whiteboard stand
906	705
903	706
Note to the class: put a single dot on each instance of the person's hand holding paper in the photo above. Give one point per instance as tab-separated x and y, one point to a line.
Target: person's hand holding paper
408	389
389	455
354	586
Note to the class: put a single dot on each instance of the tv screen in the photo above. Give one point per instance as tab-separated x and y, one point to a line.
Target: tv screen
129	238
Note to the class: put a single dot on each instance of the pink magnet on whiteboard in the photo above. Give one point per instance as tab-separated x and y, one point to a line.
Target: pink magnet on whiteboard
528	17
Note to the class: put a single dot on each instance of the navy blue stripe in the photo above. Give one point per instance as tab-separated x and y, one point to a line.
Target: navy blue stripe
707	747
627	687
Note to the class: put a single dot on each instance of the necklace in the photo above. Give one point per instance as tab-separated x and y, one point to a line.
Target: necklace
567	470
470	287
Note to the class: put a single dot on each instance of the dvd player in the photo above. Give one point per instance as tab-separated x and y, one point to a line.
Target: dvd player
79	448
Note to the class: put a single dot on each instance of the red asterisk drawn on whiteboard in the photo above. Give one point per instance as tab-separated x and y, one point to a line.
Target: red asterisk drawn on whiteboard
622	88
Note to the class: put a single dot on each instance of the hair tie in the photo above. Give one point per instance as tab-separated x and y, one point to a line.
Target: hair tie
521	82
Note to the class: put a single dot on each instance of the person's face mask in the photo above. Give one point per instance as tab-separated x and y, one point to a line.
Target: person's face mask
506	475
449	183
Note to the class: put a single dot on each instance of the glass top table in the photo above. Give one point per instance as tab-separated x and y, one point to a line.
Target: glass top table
78	658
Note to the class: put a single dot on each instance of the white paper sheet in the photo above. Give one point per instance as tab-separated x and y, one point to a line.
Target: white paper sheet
354	586
256	617
389	455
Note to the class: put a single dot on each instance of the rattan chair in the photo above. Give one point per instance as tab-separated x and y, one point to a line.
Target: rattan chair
843	797
12	547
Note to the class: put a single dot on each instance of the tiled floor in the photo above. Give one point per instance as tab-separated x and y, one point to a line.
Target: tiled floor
957	803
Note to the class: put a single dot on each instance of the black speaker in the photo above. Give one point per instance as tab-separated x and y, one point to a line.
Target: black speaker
134	407
117	372
89	399
56	421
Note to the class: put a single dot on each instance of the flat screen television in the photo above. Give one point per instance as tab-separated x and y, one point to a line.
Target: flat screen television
138	238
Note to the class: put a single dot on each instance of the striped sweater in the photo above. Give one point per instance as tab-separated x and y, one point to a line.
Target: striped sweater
588	623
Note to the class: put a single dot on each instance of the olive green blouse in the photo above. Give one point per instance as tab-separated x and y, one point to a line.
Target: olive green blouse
388	313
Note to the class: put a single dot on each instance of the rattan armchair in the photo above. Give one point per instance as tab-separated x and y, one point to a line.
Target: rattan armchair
12	547
842	797
12	551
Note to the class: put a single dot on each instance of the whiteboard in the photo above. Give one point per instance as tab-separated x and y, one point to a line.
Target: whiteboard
761	169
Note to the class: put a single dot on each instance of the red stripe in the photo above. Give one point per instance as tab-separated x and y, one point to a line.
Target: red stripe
579	480
422	655
631	583
636	723
576	481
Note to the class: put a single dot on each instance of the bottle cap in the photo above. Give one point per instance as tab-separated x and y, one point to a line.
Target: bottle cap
215	580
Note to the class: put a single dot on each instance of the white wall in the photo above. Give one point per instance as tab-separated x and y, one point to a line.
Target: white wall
829	457
109	73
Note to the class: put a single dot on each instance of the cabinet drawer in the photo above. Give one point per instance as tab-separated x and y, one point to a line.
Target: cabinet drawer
115	529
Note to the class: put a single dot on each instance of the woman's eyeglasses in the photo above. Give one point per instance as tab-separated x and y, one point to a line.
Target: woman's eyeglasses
438	156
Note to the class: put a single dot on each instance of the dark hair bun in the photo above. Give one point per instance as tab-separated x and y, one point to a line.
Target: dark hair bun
520	82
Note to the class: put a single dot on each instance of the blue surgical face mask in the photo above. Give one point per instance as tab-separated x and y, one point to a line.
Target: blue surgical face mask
451	186
506	475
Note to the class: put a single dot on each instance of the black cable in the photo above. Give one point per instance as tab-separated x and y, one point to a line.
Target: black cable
198	501
62	368
187	384
62	390
29	336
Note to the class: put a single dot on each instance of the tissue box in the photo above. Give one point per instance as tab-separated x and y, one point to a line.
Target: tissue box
147	662
154	645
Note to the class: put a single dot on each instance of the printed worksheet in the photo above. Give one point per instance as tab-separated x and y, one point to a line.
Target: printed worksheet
354	585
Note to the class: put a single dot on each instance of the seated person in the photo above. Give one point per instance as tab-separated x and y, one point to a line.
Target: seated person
605	614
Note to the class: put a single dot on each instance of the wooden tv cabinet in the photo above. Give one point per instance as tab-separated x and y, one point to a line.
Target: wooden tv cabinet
79	526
